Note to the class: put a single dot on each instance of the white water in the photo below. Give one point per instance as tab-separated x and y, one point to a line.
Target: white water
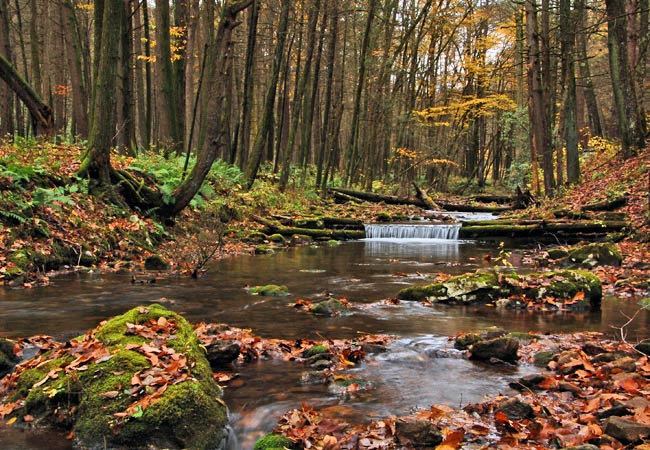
408	231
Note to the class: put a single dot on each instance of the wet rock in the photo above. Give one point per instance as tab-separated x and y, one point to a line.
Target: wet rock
617	411
300	239
269	290
315	351
274	442
415	432
502	348
593	349
626	431
255	237
591	255
156	262
313	377
329	307
188	414
528	382
222	353
493	332
643	347
7	357
606	357
565	386
486	286
264	249
581	447
464	341
369	348
322	364
625	364
515	409
541	359
277	239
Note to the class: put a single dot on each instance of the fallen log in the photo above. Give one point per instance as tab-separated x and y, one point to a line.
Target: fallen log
540	228
276	228
459	207
487	198
606	205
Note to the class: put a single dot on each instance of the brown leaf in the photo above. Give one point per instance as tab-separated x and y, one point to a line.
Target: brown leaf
110	394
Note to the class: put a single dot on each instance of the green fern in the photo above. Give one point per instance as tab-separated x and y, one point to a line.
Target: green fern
13	216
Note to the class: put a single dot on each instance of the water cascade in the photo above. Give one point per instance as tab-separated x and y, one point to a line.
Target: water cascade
409	231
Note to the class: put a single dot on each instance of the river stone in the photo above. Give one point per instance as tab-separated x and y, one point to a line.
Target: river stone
416	432
515	409
269	290
625	430
485	286
156	262
464	341
643	347
591	255
329	307
7	357
188	414
503	348
529	382
221	353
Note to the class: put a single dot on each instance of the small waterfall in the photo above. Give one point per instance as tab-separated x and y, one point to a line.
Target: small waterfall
408	231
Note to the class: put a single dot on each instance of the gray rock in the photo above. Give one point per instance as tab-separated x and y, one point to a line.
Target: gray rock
414	432
626	431
222	353
515	409
502	348
528	382
156	262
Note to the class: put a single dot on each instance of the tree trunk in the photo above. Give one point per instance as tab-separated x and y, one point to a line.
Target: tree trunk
247	101
267	119
40	112
186	191
585	70
75	59
630	123
567	33
7	125
536	109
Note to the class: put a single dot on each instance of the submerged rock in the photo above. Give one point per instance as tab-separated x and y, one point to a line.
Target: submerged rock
329	307
589	255
626	431
269	290
221	353
570	289
515	409
138	380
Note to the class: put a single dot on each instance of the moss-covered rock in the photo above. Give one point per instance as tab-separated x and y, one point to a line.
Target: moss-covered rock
558	289
156	262
315	350
464	341
541	359
269	290
274	442
264	249
329	307
119	400
589	255
502	348
277	239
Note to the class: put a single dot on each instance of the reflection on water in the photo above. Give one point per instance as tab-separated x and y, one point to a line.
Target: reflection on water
364	272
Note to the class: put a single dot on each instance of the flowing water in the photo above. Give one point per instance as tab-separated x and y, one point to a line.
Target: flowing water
421	368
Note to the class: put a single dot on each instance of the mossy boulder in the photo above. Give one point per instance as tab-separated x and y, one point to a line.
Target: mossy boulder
255	237
7	357
120	397
277	239
156	262
589	255
514	290
502	348
269	290
329	307
264	249
315	350
274	442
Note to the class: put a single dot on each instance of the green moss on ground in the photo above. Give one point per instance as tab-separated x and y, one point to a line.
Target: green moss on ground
315	350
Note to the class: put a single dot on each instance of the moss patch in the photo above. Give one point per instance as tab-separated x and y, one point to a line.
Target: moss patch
273	442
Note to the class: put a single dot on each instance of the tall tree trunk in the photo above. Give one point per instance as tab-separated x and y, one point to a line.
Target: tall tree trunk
536	109
180	58
247	100
267	119
630	123
354	133
7	125
567	33
299	95
147	68
547	74
325	138
127	125
169	86
585	70
186	191
75	63
97	162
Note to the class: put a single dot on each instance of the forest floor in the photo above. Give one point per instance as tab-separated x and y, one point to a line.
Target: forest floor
589	392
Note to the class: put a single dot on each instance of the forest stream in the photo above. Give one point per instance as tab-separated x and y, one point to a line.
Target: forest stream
419	369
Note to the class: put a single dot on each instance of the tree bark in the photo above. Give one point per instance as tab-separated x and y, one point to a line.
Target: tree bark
567	33
7	125
249	70
585	70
